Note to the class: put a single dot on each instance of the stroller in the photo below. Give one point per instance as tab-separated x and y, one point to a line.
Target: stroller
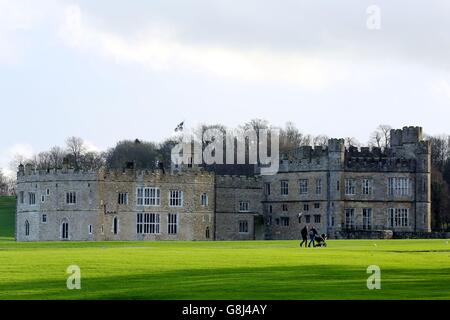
321	241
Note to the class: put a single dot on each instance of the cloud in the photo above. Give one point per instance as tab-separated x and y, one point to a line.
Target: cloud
441	88
16	18
91	147
19	150
158	48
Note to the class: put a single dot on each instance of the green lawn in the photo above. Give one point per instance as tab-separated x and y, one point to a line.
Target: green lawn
410	269
7	210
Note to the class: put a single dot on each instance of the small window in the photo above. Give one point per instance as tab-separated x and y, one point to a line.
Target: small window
71	198
148	223
44	218
350	187
140	196
318	186
270	208
115	225
243	226
316	205
90	229
307	218
172	223
27	228
306	207
65	230
42	198
284	188
317	218
337	185
303	186
207	233
267	189
349	218
285	221
148	196
32	198
244	206
47	192
123	198
204	200
367	186
175	198
21	197
367	218
284	207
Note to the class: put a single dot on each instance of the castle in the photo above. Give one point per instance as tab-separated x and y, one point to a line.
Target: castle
341	191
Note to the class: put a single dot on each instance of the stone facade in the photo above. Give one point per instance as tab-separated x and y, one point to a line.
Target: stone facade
239	208
342	192
106	205
350	190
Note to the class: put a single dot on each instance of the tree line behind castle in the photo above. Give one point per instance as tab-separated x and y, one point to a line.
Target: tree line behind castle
148	154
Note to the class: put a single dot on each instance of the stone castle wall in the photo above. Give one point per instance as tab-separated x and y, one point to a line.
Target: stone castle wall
230	191
238	207
92	215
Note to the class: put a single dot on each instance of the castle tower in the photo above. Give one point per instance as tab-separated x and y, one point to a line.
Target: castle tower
408	143
335	205
423	186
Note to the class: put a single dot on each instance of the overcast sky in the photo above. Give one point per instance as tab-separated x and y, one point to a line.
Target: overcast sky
107	70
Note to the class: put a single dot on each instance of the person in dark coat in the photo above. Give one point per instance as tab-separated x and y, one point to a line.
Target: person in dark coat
304	233
312	236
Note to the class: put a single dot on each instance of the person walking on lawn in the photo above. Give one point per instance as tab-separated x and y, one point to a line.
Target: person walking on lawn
304	233
312	236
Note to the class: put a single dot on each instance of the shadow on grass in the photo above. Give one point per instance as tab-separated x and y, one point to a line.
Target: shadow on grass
280	283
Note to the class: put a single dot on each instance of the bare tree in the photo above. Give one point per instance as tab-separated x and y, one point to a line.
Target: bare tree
291	138
17	160
3	184
75	149
42	160
320	140
440	150
381	136
92	160
352	142
57	155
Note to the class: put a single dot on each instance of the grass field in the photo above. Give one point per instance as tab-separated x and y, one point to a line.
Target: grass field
7	209
410	269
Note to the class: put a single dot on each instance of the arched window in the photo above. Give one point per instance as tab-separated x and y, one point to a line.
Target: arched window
27	228
204	200
65	230
207	233
115	225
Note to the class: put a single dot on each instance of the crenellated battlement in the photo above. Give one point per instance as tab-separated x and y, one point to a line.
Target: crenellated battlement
407	135
233	181
29	174
366	152
380	164
60	174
